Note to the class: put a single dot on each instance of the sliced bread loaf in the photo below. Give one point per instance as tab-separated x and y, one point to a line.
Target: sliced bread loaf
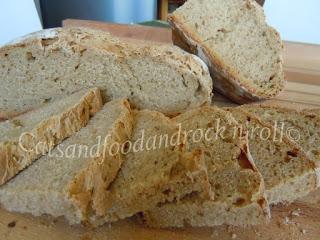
235	182
287	171
156	170
243	53
72	180
55	62
302	127
25	138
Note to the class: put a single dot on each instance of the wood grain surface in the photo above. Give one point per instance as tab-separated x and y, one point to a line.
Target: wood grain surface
298	221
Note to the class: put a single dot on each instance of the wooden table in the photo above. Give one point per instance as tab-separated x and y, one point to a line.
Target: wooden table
300	220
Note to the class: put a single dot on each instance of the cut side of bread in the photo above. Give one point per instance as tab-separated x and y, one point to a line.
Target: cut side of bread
73	179
52	63
25	138
302	127
287	171
156	170
243	53
237	186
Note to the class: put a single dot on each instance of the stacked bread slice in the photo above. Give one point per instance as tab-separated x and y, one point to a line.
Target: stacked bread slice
25	138
53	63
287	171
158	169
205	167
72	180
303	127
236	184
243	53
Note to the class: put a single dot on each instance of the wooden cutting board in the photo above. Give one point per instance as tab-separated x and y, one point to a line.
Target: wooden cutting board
300	220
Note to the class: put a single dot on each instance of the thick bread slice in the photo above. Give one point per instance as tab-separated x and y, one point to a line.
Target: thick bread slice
25	138
72	180
302	127
54	62
287	171
156	170
235	182
314	197
243	53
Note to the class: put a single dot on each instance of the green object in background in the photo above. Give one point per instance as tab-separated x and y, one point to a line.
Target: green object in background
156	23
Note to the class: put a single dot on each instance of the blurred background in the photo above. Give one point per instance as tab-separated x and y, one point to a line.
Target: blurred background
296	20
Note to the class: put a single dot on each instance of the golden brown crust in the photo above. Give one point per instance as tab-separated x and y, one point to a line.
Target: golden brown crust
50	132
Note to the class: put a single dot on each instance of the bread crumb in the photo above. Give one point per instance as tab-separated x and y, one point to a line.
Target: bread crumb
296	212
47	100
234	236
304	231
256	232
214	234
12	224
17	123
286	221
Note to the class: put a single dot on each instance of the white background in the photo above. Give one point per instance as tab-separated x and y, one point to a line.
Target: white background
17	18
296	20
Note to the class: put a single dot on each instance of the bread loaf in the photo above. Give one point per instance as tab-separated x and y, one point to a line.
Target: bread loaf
73	179
52	63
235	182
243	53
25	138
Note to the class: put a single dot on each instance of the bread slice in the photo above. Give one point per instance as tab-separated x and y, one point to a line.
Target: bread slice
156	170
243	53
302	127
72	180
25	138
52	63
235	182
287	171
